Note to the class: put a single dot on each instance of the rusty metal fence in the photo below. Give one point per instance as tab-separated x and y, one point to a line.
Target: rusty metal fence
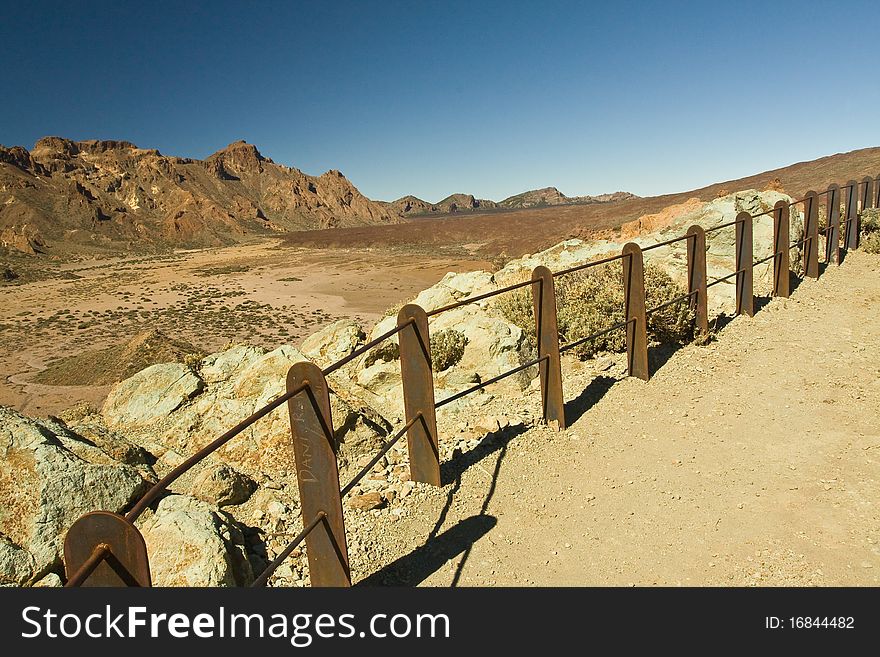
106	549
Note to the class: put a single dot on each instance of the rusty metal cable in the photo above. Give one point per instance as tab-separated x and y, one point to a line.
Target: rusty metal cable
668	242
168	479
763	260
382	452
101	551
593	336
480	297
677	299
720	226
482	385
725	278
592	263
278	560
327	371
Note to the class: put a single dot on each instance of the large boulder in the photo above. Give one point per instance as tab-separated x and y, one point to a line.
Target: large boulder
333	342
234	384
222	486
150	395
45	487
190	543
17	565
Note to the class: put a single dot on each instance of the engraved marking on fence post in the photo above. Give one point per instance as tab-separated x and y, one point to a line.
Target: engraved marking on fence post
418	395
125	561
745	296
635	311
781	263
832	230
851	224
811	235
314	450
544	302
696	249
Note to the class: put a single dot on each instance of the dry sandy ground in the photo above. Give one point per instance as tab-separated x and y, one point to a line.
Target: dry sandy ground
753	460
258	294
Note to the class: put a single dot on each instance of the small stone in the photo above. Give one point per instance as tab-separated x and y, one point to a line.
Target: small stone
367	502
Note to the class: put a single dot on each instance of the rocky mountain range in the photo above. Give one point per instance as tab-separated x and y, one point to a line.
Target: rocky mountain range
113	194
538	198
408	206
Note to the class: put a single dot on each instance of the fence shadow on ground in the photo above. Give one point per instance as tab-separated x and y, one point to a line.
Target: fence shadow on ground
418	565
659	354
588	398
439	548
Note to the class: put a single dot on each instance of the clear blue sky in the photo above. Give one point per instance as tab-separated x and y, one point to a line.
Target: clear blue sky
431	98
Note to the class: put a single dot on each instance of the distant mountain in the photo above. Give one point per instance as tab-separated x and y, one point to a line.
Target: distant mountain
112	194
464	202
409	206
538	198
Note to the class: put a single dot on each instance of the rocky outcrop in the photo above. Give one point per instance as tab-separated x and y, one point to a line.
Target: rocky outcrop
116	195
408	206
549	196
220	485
192	544
464	203
333	342
411	205
173	411
45	486
150	395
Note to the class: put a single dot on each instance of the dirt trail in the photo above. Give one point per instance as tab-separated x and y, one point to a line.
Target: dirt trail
753	460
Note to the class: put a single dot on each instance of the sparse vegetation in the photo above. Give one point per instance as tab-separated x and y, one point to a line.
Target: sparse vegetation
871	230
591	300
447	348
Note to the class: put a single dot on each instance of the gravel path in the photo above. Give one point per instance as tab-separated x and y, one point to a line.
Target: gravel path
753	460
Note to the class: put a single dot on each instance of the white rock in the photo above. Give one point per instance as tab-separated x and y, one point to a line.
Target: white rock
333	342
192	544
45	488
150	395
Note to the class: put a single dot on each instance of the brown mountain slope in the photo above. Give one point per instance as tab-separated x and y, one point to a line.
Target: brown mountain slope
67	196
514	233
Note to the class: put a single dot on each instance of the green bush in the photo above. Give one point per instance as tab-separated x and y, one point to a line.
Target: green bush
447	348
591	300
870	240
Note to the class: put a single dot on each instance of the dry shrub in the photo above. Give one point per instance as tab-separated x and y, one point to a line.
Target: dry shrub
447	348
591	300
870	240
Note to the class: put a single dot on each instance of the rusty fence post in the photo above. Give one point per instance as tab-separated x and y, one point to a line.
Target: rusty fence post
781	239
832	230
811	235
635	311
124	561
317	475
550	368
867	195
418	394
851	224
745	296
877	192
696	249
